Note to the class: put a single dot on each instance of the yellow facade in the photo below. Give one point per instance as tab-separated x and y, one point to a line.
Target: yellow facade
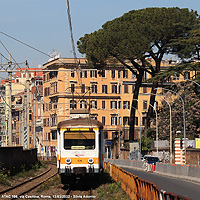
72	90
109	96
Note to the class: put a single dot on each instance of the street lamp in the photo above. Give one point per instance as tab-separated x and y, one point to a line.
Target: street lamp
139	157
117	114
156	124
184	129
170	122
120	124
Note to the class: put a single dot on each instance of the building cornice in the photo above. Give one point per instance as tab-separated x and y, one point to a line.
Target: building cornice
85	97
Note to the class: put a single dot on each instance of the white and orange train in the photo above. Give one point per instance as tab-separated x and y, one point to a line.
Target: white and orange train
80	148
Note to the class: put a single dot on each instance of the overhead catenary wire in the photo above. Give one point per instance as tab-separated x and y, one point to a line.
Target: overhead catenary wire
77	64
16	64
71	32
36	49
25	44
4	57
78	68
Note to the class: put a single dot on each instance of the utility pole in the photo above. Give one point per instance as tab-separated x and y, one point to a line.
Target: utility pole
9	102
34	115
9	67
27	106
25	144
23	122
21	128
119	138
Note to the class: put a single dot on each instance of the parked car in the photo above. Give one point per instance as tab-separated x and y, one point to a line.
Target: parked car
145	157
151	159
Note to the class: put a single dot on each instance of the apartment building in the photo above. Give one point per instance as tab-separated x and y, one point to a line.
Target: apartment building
22	95
77	90
65	89
37	110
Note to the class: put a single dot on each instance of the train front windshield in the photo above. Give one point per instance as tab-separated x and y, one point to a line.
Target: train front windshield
79	140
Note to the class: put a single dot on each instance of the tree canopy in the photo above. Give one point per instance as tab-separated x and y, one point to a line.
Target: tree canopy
190	95
136	36
176	70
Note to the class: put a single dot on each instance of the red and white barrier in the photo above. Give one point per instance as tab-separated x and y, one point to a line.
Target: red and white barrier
151	168
179	152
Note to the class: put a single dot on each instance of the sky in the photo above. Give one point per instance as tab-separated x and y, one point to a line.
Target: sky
43	24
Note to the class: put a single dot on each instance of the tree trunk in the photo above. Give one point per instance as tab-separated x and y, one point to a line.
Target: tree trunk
150	109
134	106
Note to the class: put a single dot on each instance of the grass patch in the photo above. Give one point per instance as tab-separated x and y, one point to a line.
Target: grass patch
111	191
7	176
4	175
54	181
29	171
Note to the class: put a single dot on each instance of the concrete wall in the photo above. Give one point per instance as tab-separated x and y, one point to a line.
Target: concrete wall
193	155
185	171
15	157
128	163
179	170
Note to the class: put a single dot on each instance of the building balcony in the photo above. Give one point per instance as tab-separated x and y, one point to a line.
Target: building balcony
111	127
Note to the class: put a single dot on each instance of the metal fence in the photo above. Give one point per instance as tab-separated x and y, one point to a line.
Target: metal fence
137	188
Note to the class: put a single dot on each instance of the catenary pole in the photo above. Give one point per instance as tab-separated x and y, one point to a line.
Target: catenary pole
34	116
9	102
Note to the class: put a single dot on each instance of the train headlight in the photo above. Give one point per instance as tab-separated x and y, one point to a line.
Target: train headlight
90	160
68	161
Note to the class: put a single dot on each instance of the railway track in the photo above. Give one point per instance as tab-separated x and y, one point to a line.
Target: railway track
75	193
21	189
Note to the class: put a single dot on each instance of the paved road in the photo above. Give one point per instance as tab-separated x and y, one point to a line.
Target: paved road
168	184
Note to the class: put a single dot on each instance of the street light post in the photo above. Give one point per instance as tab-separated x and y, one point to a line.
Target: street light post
170	123
184	107
156	126
156	123
139	157
119	140
184	126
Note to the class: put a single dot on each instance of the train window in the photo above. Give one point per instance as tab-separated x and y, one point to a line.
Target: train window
79	140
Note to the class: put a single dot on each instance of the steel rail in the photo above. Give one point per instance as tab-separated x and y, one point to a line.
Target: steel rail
35	186
18	185
28	181
67	194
